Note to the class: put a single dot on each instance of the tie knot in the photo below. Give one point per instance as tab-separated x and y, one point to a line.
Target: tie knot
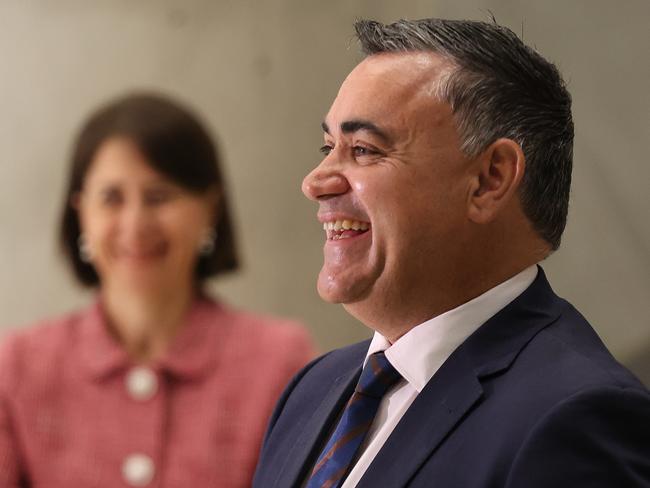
377	376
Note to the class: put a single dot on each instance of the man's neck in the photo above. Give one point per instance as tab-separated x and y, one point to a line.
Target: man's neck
394	319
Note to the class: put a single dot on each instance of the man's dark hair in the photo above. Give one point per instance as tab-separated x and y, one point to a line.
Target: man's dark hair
174	143
497	87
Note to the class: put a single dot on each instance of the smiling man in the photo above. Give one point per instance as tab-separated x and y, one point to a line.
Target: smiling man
444	181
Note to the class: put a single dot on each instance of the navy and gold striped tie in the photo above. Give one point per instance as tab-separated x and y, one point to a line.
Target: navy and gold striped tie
340	451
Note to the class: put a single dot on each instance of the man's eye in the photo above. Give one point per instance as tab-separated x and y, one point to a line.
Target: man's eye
326	149
362	151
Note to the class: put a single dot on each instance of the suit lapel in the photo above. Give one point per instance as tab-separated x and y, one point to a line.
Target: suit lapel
452	391
301	455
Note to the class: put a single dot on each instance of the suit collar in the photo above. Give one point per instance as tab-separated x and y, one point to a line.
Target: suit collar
419	353
456	387
496	343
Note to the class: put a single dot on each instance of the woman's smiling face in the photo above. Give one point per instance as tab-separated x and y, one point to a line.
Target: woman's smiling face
142	230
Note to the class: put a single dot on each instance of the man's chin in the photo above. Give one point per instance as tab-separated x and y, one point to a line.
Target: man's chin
340	291
329	294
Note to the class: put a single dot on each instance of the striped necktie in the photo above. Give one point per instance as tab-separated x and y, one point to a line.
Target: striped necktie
337	457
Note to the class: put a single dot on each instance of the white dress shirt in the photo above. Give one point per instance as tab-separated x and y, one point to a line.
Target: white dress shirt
419	353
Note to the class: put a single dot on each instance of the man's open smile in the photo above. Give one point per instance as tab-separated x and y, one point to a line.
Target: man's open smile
344	229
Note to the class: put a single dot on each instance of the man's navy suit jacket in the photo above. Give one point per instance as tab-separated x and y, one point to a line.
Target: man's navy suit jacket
532	399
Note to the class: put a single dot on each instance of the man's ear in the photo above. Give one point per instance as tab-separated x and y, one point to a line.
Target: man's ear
499	173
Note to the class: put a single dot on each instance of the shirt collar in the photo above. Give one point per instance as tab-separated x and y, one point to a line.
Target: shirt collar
419	353
191	353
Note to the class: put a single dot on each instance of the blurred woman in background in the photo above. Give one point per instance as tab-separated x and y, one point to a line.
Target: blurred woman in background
155	384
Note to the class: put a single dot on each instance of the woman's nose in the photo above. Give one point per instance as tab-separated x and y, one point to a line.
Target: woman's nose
136	218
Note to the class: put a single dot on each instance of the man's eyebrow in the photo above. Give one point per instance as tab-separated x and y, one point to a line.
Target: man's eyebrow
351	126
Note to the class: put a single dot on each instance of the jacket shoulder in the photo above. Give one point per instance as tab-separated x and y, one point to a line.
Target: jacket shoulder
578	356
267	336
252	325
597	437
35	350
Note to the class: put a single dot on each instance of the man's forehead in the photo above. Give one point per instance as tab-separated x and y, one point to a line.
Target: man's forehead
406	64
388	86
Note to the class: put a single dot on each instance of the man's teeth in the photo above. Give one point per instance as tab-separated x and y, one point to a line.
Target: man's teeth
336	229
345	225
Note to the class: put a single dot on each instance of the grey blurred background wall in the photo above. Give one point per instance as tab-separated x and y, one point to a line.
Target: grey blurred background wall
262	74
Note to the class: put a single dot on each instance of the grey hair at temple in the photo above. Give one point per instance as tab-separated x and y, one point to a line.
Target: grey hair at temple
497	87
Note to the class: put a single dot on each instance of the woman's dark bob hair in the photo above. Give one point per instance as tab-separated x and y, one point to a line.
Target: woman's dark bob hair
175	144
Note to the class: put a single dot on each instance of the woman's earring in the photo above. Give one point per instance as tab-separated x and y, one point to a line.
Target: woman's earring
85	254
207	242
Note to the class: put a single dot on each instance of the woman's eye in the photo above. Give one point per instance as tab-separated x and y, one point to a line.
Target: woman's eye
326	149
111	197
156	197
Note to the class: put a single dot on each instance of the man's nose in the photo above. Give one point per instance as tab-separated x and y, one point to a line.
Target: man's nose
325	180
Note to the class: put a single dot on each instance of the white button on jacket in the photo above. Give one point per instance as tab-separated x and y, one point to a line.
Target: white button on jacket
138	470
141	383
